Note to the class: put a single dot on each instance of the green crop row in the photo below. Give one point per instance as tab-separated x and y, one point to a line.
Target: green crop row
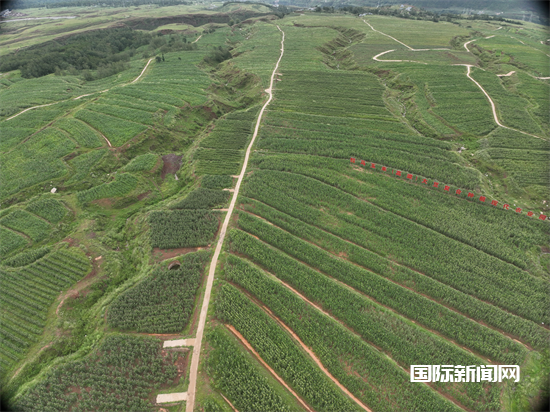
202	198
118	131
421	284
374	379
81	132
408	303
124	183
163	302
29	290
438	256
125	113
279	351
25	222
84	163
488	230
182	228
141	162
27	257
216	181
375	324
120	374
36	160
10	241
235	376
50	209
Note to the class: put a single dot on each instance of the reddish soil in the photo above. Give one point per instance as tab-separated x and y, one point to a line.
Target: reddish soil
172	164
163	254
103	202
257	355
230	404
143	195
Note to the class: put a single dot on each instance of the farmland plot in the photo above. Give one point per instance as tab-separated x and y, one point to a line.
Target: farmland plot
23	314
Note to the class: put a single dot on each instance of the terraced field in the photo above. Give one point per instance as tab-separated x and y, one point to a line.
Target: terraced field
206	196
347	267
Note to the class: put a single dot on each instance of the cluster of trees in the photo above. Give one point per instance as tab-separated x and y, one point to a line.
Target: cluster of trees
95	55
218	55
106	49
413	13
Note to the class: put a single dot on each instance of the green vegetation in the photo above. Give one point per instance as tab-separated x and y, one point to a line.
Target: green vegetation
81	132
27	257
36	160
50	209
374	376
216	182
103	50
202	198
23	314
371	271
122	184
183	228
10	241
163	302
236	376
84	163
280	352
24	222
95	382
142	162
118	131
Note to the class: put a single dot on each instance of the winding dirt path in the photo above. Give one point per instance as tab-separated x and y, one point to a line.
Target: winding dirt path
80	97
507	74
31	108
257	355
143	71
204	310
408	47
198	38
387	35
469	66
466	44
376	58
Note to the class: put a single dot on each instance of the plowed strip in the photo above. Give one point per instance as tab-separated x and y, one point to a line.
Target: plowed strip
316	360
257	355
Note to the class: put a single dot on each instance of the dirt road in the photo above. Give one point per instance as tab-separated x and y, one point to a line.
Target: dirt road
376	58
469	66
79	97
400	42
143	71
210	280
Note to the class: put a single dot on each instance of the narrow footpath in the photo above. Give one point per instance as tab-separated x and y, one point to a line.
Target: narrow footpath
210	280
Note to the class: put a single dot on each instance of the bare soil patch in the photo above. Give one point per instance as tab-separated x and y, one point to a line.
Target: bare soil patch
163	254
172	163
